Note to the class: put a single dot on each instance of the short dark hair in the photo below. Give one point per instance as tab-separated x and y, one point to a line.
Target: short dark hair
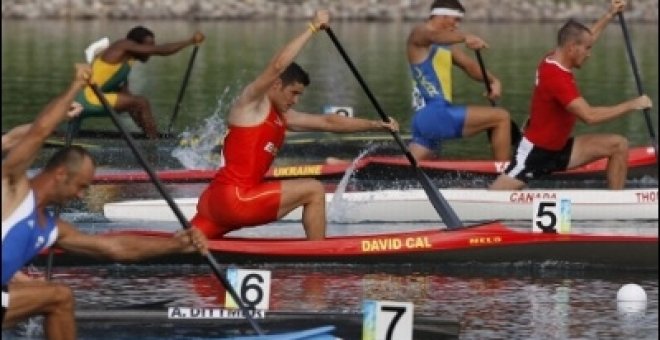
452	4
71	156
294	74
139	33
571	31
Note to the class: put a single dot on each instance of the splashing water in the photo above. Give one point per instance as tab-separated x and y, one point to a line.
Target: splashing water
31	328
198	146
338	206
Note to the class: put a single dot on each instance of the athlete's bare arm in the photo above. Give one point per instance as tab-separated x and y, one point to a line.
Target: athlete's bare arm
615	7
252	104
598	114
472	69
13	136
14	177
118	51
128	248
300	121
422	37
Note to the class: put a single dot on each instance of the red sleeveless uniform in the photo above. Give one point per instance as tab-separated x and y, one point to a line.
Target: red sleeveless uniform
238	196
550	123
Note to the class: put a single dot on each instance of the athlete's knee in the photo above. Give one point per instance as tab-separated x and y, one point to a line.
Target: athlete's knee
501	115
314	189
142	104
136	104
62	298
620	143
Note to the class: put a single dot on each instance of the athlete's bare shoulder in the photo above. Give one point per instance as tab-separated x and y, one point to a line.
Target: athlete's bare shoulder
247	112
13	193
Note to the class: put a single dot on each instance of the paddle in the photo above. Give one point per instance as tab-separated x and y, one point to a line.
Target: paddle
515	130
638	81
439	203
51	253
183	89
182	219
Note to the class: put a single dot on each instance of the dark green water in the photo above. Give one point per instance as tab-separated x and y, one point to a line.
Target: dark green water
37	60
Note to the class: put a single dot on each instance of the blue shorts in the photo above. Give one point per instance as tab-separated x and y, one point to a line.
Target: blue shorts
438	121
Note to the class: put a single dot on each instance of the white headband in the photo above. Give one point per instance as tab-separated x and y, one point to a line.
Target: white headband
447	11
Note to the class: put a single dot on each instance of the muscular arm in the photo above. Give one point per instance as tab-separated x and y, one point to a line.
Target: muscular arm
120	248
299	121
117	52
256	90
14	135
598	114
422	36
472	69
21	156
598	27
469	65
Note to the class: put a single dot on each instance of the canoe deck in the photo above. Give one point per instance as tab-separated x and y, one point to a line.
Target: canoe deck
414	206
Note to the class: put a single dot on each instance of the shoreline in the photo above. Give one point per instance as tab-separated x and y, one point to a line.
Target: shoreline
505	11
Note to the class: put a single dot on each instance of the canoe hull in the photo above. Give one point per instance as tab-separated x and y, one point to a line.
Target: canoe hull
484	244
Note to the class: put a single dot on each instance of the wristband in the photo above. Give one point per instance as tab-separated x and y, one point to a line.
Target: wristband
312	28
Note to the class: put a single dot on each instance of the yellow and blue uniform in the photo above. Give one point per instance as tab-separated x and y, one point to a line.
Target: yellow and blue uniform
110	78
436	118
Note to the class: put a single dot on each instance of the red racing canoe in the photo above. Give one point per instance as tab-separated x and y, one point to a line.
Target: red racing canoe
641	161
486	244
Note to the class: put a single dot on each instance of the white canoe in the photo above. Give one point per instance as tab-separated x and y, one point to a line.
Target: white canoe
413	205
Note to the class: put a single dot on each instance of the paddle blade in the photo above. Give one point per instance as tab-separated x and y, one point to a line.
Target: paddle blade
441	205
318	333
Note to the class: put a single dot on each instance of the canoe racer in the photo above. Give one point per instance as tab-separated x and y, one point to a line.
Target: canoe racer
238	196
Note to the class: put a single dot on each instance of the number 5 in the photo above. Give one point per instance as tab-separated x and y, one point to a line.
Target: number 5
547	209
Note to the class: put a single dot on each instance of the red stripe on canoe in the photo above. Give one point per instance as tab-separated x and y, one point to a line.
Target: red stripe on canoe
638	157
489	242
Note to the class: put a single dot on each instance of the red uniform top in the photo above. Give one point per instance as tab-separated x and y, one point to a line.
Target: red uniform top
248	152
550	124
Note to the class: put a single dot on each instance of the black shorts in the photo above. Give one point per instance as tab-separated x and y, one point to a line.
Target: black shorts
5	301
532	162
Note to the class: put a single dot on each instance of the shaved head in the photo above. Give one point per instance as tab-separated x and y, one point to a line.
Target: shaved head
572	31
72	157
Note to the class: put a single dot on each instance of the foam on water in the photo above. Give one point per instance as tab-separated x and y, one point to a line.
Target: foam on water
338	206
31	328
197	149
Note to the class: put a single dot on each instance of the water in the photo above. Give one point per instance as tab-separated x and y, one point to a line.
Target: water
497	302
489	304
235	52
505	305
337	206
